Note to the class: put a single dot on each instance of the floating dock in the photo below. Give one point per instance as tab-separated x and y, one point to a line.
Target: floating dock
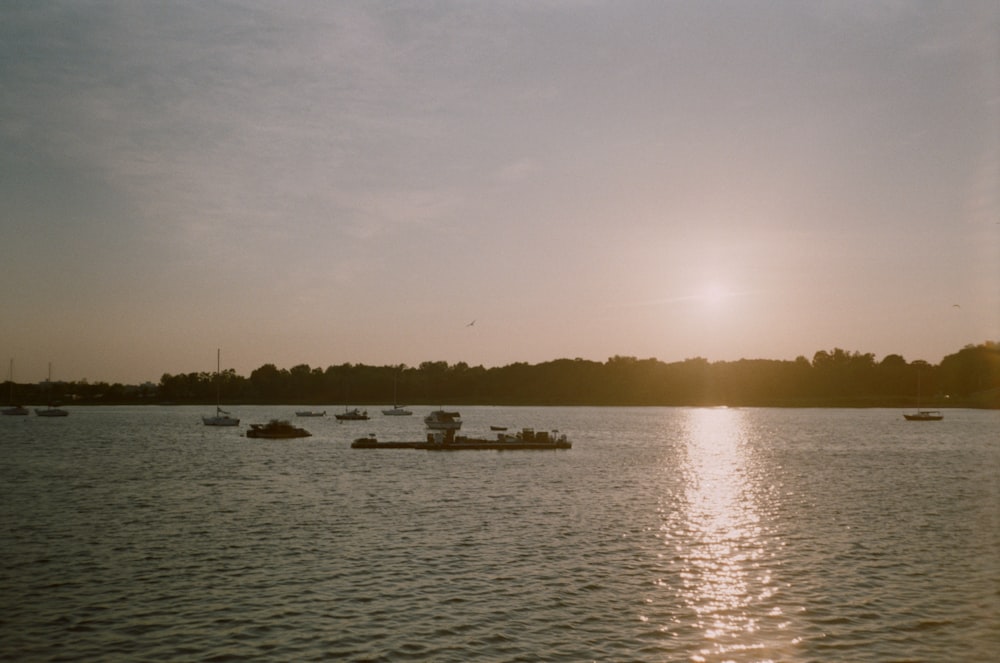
527	439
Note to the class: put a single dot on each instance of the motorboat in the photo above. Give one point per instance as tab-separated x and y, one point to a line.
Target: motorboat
277	429
924	415
310	413
353	415
443	420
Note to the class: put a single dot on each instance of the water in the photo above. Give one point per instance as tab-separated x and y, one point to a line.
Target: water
665	534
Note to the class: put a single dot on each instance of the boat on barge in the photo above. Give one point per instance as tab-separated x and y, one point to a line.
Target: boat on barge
277	429
527	439
443	420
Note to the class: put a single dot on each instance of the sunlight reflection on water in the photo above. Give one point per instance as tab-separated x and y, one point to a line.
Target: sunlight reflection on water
722	549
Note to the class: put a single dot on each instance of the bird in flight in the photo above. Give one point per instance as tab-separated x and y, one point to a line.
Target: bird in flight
471	324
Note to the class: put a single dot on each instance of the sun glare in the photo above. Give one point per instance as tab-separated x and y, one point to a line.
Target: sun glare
714	295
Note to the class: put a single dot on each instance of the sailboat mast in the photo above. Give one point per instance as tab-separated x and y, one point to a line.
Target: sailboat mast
218	382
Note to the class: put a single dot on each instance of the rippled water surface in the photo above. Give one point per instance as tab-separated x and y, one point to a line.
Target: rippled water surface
663	535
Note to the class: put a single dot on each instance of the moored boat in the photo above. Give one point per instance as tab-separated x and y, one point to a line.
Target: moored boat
310	413
221	418
277	429
353	415
443	420
921	414
14	409
51	411
397	411
924	415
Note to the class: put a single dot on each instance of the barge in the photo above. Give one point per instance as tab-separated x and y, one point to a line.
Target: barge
527	439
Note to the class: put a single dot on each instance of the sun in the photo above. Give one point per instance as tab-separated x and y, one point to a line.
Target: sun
714	295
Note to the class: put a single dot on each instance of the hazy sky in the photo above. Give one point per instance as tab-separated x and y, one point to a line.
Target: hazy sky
329	182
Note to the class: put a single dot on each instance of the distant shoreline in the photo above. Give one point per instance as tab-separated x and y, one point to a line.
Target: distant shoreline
970	378
951	404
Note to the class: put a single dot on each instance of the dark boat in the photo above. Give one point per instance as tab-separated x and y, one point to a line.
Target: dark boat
924	415
14	409
443	420
221	417
353	415
277	429
310	413
527	439
51	411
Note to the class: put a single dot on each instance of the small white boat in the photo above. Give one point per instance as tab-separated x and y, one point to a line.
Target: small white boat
310	413
443	420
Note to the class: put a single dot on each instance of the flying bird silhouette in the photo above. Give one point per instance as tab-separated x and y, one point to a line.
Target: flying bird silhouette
471	324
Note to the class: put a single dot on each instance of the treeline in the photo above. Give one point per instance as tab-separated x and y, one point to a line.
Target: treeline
968	378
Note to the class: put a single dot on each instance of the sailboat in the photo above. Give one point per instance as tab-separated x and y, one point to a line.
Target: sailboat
923	415
51	410
14	409
397	410
221	417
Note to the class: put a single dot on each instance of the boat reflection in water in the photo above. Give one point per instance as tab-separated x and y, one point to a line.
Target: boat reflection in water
722	554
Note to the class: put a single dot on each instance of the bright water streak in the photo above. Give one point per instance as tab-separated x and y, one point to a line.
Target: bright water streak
663	535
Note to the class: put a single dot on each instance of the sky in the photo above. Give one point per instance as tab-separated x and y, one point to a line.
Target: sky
359	181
